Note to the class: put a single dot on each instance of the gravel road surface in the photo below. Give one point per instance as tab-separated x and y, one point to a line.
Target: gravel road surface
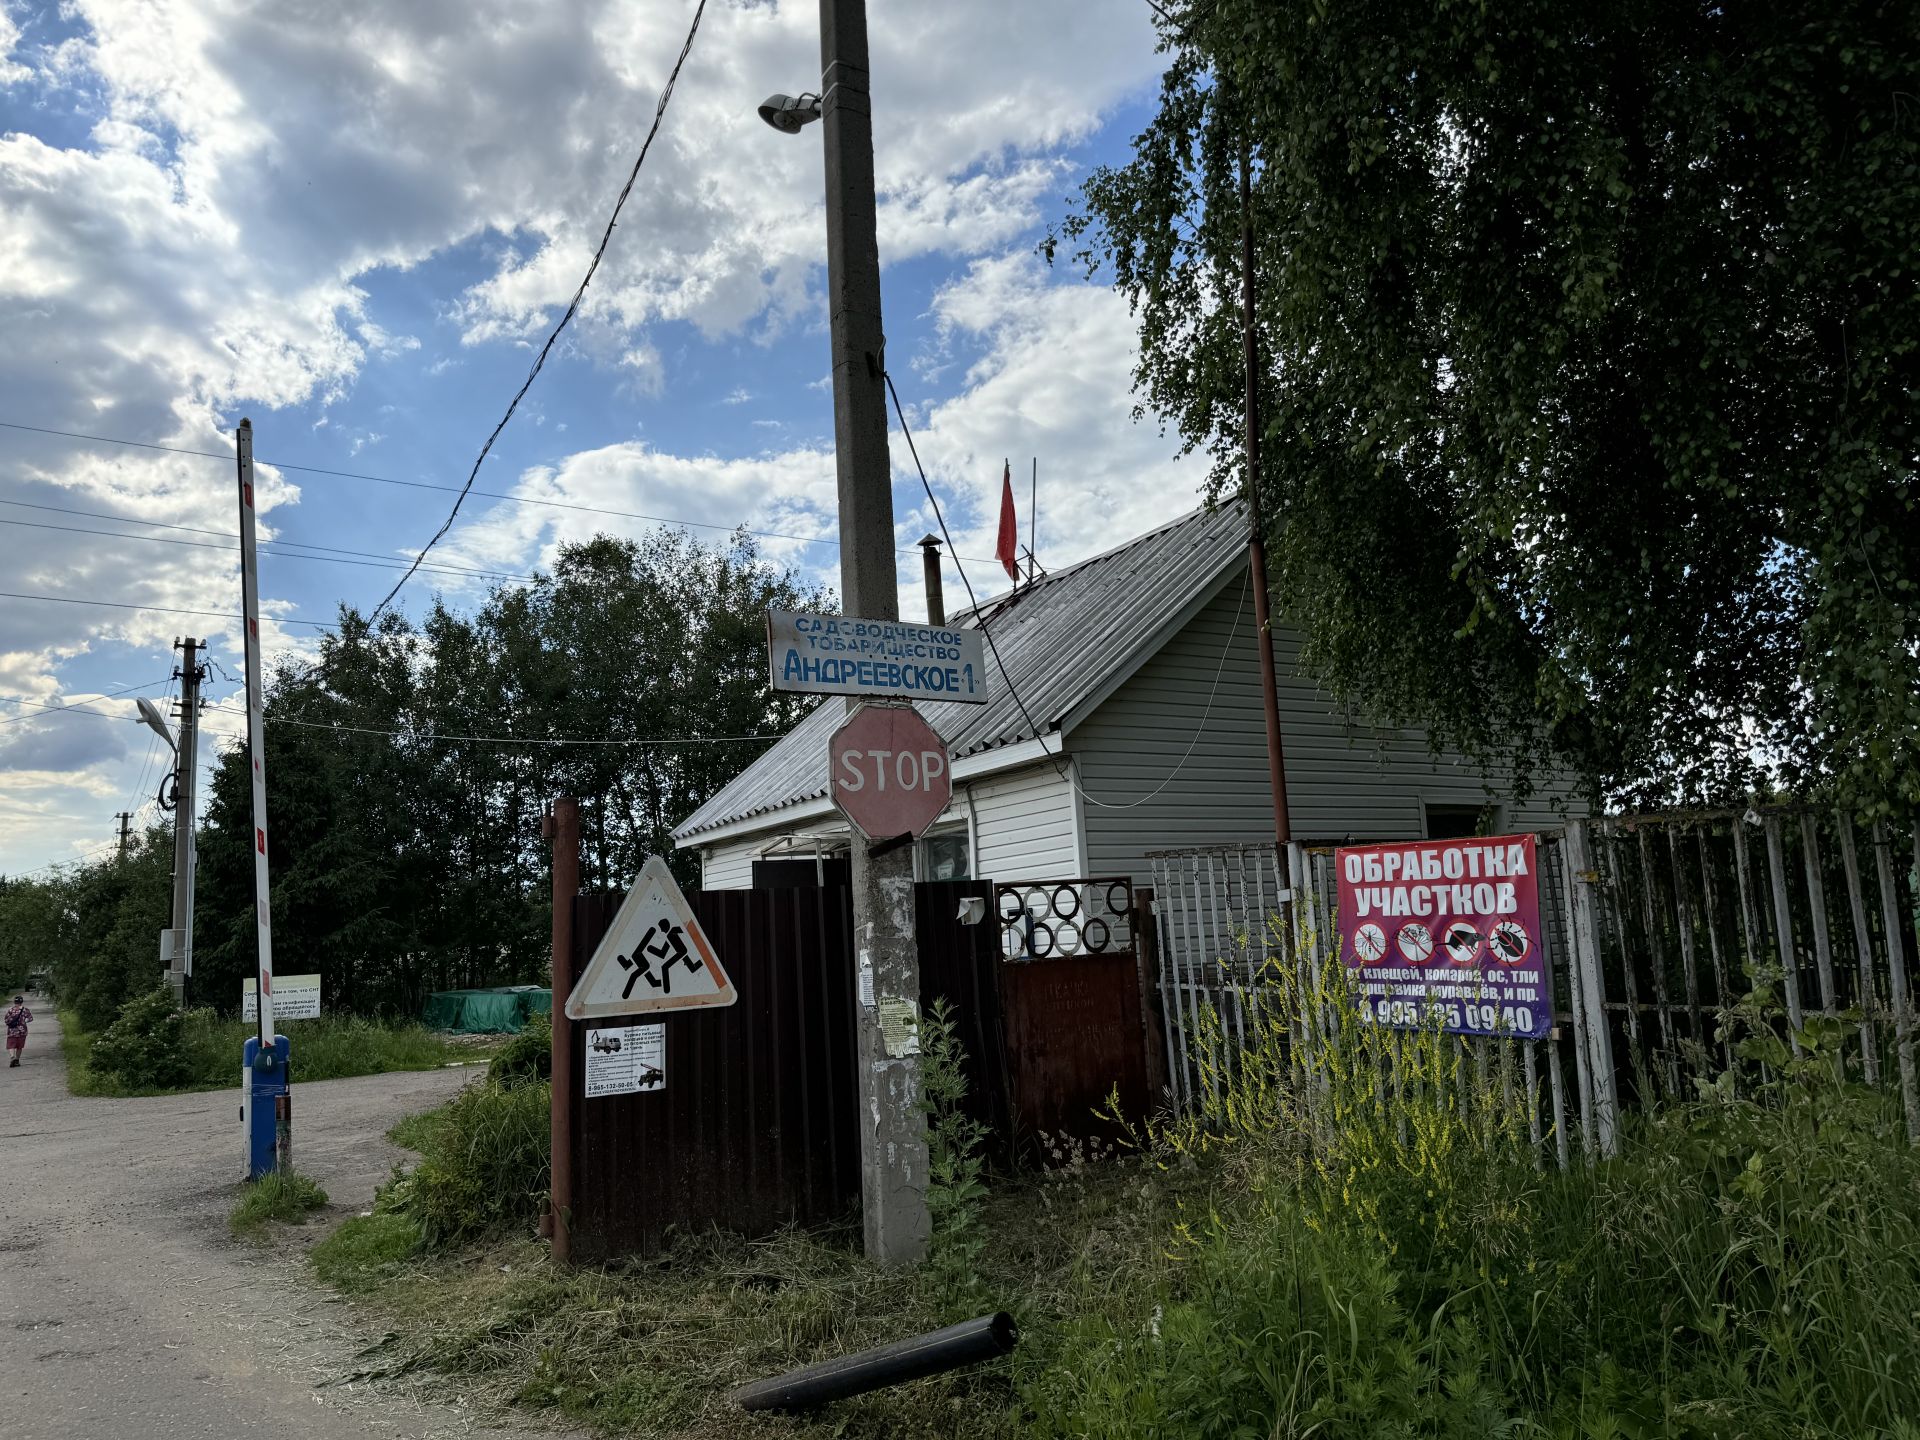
125	1308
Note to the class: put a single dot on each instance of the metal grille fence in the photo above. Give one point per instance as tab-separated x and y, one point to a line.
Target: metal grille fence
1656	925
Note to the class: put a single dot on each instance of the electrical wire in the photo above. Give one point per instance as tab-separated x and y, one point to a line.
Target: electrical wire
77	708
1065	772
161	609
273	719
70	860
501	739
289	465
339	558
573	307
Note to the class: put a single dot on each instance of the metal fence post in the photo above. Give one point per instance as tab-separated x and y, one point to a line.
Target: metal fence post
1581	878
1897	973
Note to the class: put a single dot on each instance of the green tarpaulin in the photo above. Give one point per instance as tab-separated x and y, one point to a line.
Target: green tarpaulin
486	1012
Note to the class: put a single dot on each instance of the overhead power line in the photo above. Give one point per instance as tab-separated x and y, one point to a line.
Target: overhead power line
373	561
501	495
273	719
573	306
78	708
159	609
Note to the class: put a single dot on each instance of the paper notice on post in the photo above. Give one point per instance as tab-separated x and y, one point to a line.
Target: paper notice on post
899	1027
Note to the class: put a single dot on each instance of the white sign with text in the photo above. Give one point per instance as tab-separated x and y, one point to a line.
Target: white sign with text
844	655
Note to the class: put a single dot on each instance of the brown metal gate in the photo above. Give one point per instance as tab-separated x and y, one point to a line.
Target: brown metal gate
1070	985
755	1126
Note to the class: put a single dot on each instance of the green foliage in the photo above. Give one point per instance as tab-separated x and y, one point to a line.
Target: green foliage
527	1058
1382	1257
329	1048
409	863
955	1187
285	1195
145	1048
483	1167
415	1132
29	930
1594	328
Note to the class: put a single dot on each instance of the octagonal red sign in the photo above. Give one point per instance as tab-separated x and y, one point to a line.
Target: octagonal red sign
889	771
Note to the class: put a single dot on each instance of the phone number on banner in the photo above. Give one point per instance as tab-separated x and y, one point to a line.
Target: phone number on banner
1466	1017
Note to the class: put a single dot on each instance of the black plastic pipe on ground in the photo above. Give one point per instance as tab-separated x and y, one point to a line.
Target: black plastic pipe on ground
967	1343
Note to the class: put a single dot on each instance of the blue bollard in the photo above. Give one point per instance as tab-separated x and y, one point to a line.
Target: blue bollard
266	1105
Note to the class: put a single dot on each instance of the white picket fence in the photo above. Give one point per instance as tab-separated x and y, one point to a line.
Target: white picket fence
1655	923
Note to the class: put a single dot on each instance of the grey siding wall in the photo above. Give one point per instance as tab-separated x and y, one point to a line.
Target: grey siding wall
1342	782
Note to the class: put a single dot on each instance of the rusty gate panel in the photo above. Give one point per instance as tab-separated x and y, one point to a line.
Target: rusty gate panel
1070	991
755	1127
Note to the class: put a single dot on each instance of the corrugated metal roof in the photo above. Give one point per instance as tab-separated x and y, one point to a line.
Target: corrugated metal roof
1061	641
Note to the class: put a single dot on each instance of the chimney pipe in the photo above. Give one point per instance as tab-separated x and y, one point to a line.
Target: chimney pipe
936	603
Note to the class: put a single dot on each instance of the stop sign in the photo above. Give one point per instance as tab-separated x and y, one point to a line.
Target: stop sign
889	772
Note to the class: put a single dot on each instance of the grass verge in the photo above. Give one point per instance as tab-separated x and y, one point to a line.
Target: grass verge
654	1347
330	1048
285	1196
1357	1239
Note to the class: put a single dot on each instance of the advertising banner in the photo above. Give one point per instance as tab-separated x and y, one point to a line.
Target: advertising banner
1447	931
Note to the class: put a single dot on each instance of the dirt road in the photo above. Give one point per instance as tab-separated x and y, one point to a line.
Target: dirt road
125	1309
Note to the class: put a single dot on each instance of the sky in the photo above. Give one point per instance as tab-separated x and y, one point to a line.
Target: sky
355	221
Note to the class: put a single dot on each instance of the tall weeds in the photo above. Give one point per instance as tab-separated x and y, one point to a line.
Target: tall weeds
1387	1253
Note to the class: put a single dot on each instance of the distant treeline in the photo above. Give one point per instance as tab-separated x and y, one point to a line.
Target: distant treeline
406	856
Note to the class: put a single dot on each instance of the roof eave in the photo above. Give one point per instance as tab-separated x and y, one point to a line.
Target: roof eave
969	767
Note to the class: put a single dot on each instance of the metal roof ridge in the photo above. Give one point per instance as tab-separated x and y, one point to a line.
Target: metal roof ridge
1054	577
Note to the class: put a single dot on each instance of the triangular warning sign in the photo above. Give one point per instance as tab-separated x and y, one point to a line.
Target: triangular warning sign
654	957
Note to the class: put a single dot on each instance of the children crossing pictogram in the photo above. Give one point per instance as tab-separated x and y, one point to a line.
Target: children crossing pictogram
654	957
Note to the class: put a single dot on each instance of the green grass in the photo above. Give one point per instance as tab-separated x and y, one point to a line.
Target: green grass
417	1132
330	1048
1335	1256
286	1196
366	1251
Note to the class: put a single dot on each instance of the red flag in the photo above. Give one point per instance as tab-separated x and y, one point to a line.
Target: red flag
1008	550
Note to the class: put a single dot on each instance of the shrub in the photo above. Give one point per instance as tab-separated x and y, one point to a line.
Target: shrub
145	1047
527	1058
485	1165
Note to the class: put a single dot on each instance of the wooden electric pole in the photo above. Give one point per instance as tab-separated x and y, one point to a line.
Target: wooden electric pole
893	1139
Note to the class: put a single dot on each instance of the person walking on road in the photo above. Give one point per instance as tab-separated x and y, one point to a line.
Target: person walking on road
18	1017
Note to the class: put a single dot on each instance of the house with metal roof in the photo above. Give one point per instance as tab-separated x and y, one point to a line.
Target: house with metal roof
1124	717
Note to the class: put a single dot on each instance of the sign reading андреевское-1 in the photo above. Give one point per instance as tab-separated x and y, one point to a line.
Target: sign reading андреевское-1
844	655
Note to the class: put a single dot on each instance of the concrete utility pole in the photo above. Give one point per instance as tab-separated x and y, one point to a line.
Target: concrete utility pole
893	1135
1256	535
125	817
186	758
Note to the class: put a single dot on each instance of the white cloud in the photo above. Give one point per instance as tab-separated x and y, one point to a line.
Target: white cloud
1053	382
10	71
251	163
